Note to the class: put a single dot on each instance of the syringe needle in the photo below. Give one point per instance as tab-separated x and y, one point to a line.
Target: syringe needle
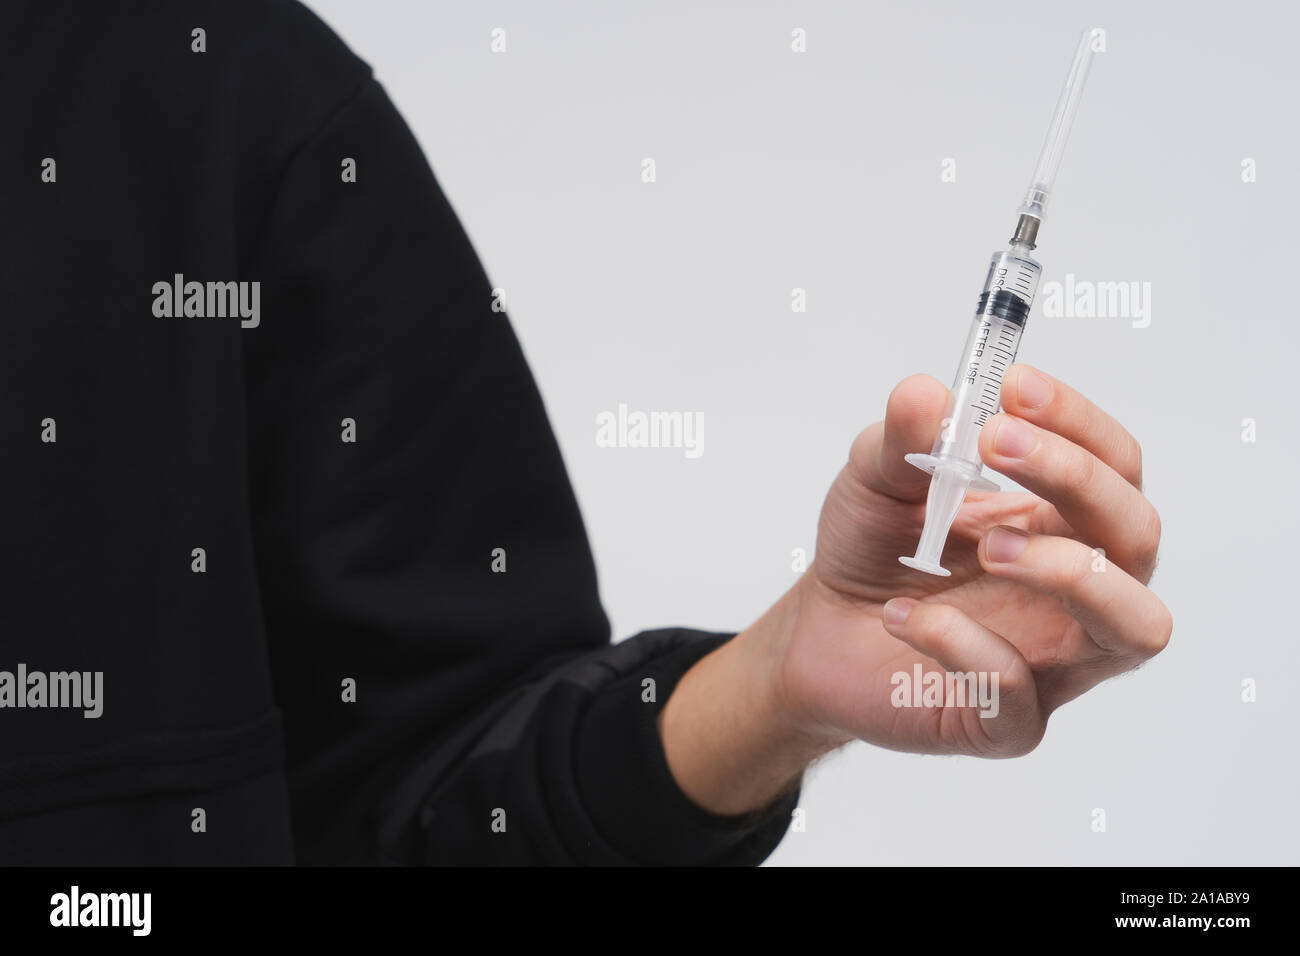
1049	160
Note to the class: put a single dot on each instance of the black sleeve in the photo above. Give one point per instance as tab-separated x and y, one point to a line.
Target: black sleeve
397	441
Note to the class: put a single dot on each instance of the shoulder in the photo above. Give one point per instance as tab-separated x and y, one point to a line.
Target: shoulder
285	62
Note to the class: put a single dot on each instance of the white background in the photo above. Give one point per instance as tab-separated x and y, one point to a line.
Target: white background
822	171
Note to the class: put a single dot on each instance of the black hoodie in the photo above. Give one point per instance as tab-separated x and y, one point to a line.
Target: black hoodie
263	434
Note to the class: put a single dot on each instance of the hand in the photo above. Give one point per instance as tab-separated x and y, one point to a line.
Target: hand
1048	591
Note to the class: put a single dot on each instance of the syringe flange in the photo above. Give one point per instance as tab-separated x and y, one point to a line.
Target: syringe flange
928	463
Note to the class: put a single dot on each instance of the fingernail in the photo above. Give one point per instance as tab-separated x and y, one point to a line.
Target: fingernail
1014	439
1006	544
897	610
1032	389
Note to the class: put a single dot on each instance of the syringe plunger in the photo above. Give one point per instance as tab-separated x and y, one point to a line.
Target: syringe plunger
947	492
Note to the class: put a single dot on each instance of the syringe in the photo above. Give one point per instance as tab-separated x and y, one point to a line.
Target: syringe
954	463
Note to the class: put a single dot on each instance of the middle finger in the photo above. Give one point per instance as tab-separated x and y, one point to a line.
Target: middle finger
1092	497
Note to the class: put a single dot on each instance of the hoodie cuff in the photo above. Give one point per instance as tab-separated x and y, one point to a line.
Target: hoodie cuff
629	791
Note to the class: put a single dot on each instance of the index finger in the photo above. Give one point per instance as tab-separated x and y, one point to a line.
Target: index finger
1051	404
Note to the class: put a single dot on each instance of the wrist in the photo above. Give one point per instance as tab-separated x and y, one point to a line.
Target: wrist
734	738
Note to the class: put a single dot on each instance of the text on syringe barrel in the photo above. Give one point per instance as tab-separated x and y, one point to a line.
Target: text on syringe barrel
990	350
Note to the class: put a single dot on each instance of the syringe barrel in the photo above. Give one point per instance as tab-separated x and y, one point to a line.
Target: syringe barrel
990	350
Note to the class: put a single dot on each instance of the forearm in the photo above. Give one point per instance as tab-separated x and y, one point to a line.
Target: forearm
733	742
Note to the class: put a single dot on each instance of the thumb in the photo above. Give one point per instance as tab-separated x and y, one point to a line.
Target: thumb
913	416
